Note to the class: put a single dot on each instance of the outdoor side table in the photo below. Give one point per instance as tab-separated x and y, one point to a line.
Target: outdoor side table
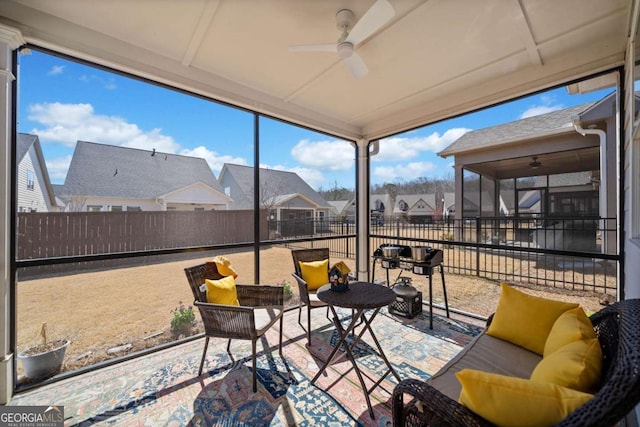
360	297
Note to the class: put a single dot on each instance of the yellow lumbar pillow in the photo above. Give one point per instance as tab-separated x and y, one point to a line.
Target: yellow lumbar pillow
577	365
572	325
511	401
525	320
315	273
222	291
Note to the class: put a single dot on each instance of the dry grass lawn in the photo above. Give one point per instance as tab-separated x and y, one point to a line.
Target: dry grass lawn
104	309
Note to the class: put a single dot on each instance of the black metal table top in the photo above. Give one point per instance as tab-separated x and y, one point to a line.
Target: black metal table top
359	295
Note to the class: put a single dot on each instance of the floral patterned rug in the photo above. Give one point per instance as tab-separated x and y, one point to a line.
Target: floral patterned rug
164	389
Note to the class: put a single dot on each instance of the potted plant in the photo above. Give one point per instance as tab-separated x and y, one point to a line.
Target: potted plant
45	358
182	320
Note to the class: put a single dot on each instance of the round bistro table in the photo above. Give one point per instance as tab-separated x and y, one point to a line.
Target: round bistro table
360	297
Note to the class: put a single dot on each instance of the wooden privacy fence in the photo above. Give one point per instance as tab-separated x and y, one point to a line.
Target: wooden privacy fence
61	234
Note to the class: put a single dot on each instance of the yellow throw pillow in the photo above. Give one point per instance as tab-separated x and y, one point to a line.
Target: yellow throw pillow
572	325
222	291
511	401
315	273
525	320
577	365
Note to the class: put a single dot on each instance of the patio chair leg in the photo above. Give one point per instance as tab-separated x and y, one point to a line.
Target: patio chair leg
204	354
253	345
281	323
309	325
229	346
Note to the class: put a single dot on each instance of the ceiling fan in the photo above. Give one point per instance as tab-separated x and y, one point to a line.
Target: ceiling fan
535	164
373	19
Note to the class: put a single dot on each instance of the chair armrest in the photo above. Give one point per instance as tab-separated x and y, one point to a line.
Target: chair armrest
303	290
261	295
434	408
227	321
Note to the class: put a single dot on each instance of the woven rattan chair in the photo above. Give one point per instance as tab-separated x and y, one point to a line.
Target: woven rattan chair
261	306
618	329
307	298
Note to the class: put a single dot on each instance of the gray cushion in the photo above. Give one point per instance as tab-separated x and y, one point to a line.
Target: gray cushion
489	354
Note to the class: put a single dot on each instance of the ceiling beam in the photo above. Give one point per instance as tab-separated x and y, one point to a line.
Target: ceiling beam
205	21
526	35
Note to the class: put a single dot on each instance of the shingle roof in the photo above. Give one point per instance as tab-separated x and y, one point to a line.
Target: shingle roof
23	143
110	171
286	183
517	130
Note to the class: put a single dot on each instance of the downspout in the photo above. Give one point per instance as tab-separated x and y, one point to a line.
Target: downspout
577	124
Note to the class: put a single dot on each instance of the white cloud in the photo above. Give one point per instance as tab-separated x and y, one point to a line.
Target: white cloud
403	149
406	172
538	110
57	168
55	70
215	160
67	123
107	83
547	105
324	155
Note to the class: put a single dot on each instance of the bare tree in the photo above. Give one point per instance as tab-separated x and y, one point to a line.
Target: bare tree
77	204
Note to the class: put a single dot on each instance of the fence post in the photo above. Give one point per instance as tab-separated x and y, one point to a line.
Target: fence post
478	239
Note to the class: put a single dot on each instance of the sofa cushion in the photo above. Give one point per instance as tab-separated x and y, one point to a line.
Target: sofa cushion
577	365
315	273
525	320
488	354
572	325
510	401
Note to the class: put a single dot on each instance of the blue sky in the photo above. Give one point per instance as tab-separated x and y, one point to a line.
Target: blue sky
63	102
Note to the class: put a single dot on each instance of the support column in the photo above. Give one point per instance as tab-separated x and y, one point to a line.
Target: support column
10	39
362	213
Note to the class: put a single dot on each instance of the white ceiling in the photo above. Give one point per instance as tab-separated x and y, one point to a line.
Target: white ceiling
433	59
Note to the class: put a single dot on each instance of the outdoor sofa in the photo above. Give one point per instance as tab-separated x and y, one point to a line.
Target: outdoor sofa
435	402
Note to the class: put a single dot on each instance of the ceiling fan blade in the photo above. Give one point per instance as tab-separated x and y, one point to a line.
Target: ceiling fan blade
356	66
373	19
327	47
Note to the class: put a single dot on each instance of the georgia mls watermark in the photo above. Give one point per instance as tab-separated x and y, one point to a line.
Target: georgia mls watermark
32	416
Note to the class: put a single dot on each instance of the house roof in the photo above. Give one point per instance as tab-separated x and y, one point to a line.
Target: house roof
544	124
101	170
23	143
429	61
340	206
283	183
412	199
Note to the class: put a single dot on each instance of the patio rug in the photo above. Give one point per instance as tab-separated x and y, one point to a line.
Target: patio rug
163	388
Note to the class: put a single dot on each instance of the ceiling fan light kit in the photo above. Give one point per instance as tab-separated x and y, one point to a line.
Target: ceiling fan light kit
373	19
535	164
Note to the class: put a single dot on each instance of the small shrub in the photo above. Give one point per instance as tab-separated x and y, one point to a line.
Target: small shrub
288	291
183	318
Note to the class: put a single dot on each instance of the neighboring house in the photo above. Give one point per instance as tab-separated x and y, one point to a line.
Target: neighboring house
342	209
35	192
561	163
559	147
111	178
417	208
380	206
285	195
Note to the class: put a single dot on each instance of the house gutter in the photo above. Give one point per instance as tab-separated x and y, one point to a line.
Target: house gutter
577	124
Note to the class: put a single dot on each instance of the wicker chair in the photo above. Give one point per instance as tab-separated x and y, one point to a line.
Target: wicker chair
261	306
307	298
618	329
